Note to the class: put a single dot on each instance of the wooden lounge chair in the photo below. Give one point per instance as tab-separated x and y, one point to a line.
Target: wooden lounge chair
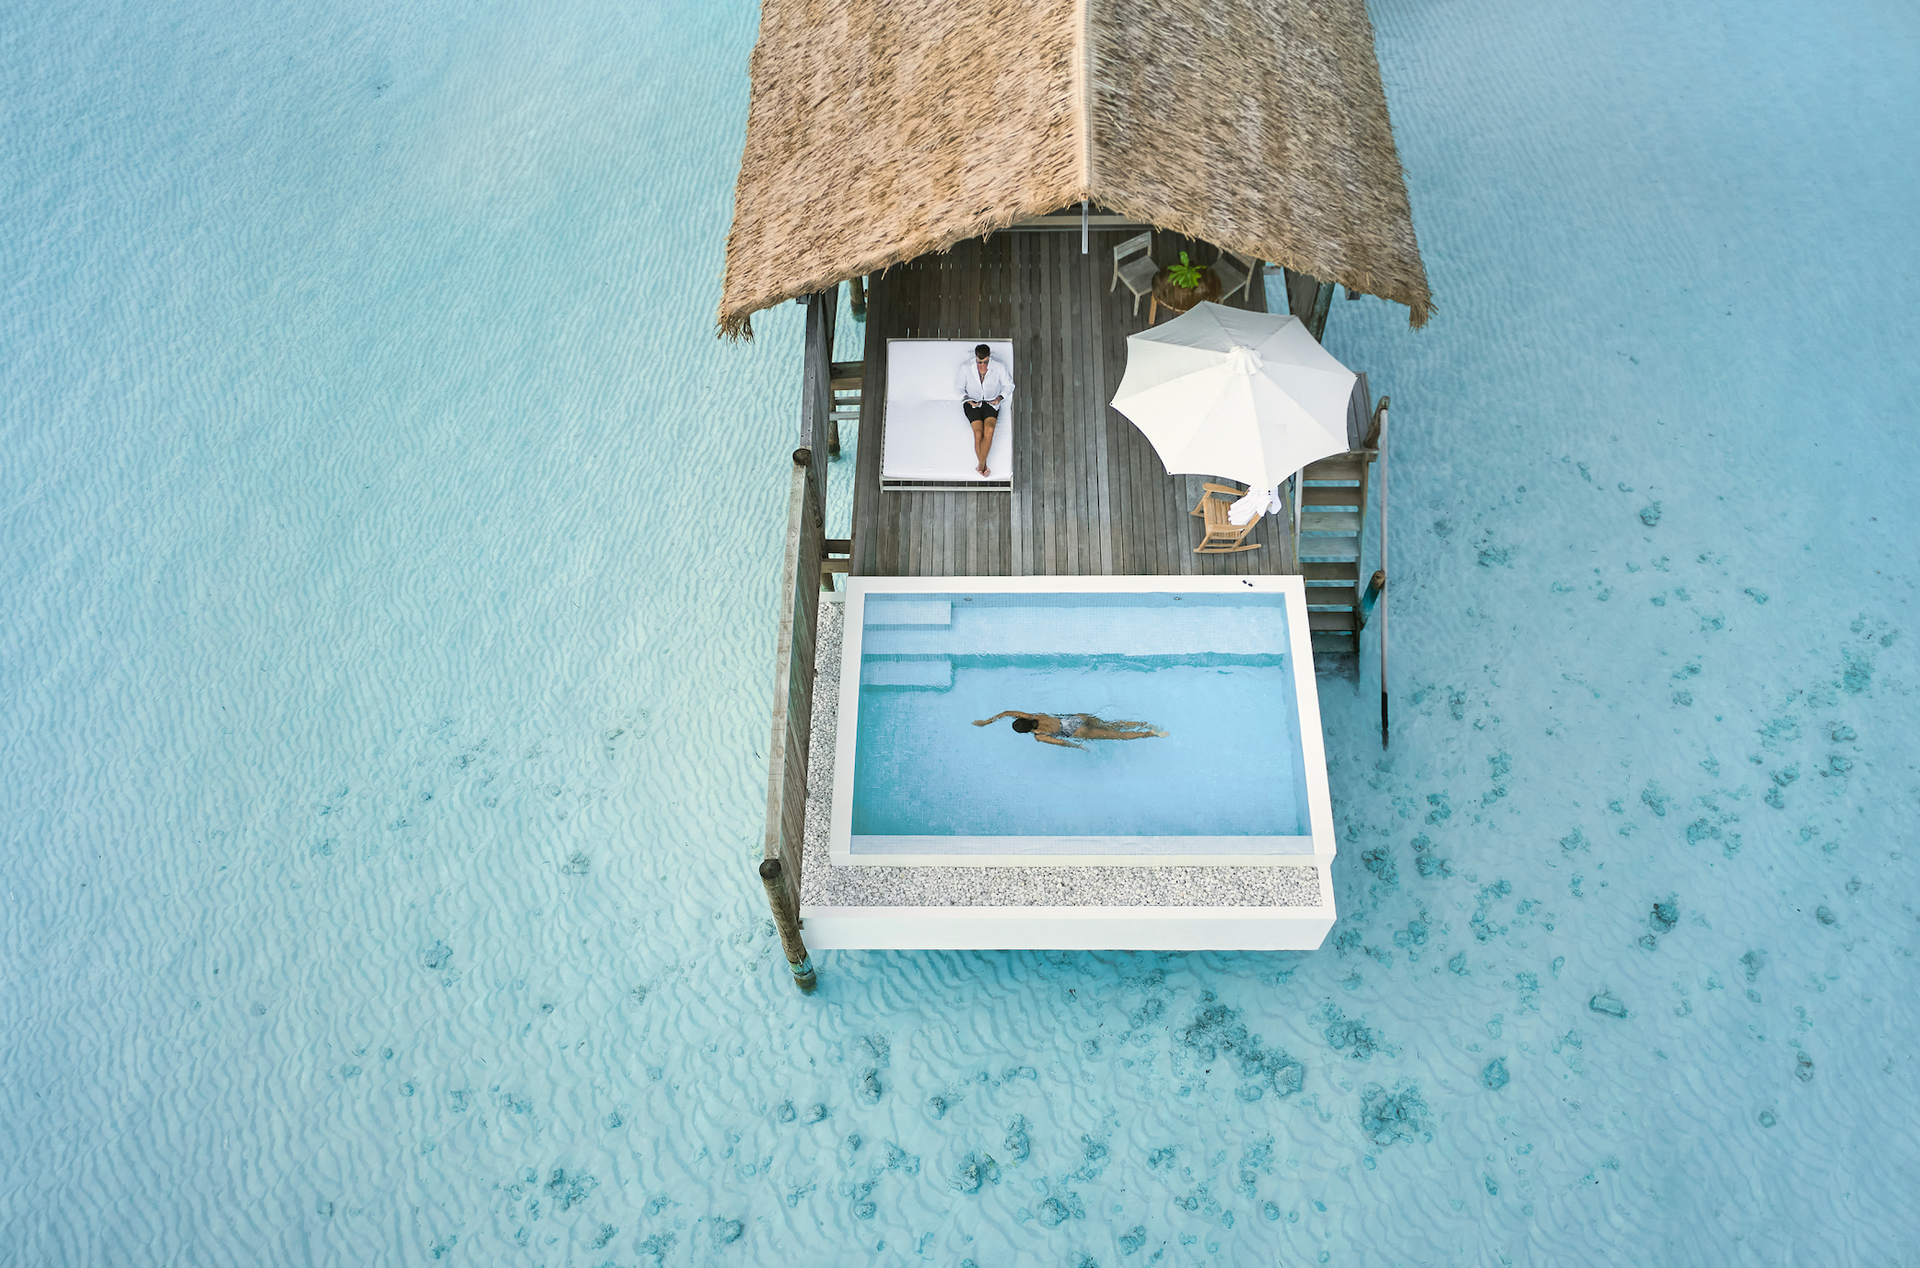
1235	274
1133	264
1223	536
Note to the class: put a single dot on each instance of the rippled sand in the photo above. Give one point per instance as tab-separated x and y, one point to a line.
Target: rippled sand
382	742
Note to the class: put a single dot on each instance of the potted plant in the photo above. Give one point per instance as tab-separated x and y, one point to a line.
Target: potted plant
1188	284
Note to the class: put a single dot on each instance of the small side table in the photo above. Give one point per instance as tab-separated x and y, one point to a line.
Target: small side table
1177	299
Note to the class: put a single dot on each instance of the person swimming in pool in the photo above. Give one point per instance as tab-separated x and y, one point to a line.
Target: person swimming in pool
1067	729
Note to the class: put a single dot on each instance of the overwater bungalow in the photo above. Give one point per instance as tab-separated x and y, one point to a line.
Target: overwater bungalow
1025	177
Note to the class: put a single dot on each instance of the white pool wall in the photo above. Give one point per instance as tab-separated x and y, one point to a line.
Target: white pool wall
1053	907
1316	849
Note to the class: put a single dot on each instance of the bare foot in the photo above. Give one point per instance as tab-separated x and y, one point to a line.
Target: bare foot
1162	732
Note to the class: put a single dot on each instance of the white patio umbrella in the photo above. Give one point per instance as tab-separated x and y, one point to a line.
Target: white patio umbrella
1225	392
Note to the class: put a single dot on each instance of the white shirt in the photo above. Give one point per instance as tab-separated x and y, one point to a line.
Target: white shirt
973	388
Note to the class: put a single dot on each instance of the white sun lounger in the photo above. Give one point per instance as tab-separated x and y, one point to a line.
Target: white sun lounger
927	443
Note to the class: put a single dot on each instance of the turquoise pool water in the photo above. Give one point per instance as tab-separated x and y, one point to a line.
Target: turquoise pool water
1212	671
383	735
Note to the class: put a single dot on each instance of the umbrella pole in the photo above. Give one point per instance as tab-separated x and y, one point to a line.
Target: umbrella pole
1383	568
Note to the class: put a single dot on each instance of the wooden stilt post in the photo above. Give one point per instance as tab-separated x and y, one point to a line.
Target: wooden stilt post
1380	424
1322	301
786	919
857	297
1372	596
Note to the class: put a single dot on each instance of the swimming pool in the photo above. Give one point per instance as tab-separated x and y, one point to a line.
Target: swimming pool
1221	665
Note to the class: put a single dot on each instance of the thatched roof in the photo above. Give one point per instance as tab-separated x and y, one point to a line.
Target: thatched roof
880	130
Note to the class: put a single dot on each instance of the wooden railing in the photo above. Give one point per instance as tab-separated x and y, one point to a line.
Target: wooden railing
781	857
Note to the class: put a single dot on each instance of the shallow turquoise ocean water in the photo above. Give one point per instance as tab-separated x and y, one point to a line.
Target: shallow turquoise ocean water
382	752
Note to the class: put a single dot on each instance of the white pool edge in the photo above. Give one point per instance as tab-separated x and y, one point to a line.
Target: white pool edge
1306	695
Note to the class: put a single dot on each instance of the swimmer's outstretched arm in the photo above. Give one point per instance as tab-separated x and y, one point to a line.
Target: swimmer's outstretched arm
1049	739
1004	713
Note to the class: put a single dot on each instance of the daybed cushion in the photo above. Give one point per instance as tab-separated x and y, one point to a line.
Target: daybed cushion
927	436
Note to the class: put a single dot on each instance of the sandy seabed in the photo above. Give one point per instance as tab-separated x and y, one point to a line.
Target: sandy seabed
382	734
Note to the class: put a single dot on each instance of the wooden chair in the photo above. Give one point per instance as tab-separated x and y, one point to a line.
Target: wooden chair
1223	536
1235	274
1133	264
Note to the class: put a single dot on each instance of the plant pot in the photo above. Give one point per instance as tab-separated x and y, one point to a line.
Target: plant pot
1182	298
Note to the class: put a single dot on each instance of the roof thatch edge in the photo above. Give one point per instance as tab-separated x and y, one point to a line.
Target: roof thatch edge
739	325
1358	280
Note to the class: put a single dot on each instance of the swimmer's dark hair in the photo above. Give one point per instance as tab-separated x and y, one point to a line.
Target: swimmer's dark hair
1023	725
981	350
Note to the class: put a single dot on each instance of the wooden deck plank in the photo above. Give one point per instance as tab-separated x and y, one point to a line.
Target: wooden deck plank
1086	414
1047	400
940	556
1021	333
1081	523
1052	363
1093	547
1102	392
1074	448
1040	413
1131	521
1099	410
1019	330
1146	534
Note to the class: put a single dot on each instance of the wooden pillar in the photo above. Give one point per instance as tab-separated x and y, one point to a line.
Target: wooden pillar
857	298
1372	596
1309	298
1373	424
1322	303
786	919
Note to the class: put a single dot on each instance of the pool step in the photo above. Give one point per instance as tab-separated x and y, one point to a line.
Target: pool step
916	613
924	673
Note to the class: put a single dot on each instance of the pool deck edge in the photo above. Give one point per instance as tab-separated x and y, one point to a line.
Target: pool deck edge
1054	907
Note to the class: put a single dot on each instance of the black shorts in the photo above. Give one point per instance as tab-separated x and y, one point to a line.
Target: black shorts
980	411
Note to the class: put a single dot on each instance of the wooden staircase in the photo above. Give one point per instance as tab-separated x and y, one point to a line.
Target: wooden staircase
1333	524
845	383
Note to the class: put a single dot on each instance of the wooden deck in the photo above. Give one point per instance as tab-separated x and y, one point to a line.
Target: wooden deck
1089	496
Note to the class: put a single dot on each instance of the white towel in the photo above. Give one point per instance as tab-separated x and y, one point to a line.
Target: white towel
1249	508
